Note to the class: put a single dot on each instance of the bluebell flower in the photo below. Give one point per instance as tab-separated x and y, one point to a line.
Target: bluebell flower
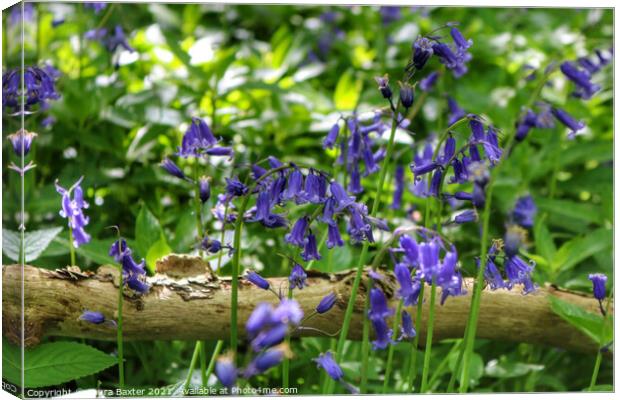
455	112
234	187
428	82
264	214
588	65
406	95
359	229
257	171
410	248
197	138
38	84
274	162
264	361
117	249
409	290
219	151
513	239
343	200
94	317
260	318
326	303
525	124
478	195
294	187
459	40
315	188
383	334
297	235
116	40
326	361
298	276
524	211
370	166
451	60
493	276
519	272
171	168
226	371
21	141
407	330
16	17
598	285
422	169
568	121
204	188
287	312
333	237
477	129
137	283
329	210
389	14
257	280
332	136
585	88
72	210
491	146
270	337
96	6
422	52
355	182
384	86
399	187
378	305
429	260
601	57
435	183
310	249
466	216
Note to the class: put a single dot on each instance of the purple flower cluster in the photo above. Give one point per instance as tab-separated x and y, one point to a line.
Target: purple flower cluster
39	86
72	210
266	329
454	57
199	141
134	274
378	314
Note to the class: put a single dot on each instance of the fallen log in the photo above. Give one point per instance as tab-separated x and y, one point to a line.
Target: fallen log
188	302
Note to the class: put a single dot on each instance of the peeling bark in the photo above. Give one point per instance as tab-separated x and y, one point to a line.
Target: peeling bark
198	307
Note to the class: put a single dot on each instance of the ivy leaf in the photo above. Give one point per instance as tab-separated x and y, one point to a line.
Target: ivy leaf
588	323
35	242
53	363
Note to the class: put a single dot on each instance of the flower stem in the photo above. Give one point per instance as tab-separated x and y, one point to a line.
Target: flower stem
71	247
235	275
119	331
192	365
429	339
286	361
597	365
413	370
203	362
365	345
360	264
388	368
216	353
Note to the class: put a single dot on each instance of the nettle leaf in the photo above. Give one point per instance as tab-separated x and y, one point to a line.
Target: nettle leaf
348	90
35	242
578	249
588	323
53	363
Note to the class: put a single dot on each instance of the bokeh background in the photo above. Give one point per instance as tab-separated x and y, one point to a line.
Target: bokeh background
271	80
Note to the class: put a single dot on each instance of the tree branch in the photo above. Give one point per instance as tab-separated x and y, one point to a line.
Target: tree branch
187	302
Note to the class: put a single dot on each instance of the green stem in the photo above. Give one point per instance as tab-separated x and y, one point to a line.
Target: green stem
597	365
216	353
388	368
235	275
286	362
470	332
413	370
442	366
192	366
365	346
360	264
457	369
119	331
429	339
71	247
203	362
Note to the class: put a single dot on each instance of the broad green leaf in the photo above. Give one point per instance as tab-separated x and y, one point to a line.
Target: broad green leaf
184	233
347	91
588	323
544	242
35	242
157	251
53	363
566	208
509	369
476	366
96	250
578	249
148	231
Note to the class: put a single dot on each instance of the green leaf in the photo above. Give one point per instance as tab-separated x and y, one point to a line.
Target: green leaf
347	91
157	251
544	242
476	367
148	231
53	363
588	323
578	249
565	208
96	250
35	242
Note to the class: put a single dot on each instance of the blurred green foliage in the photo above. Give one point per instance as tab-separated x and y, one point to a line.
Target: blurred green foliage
261	76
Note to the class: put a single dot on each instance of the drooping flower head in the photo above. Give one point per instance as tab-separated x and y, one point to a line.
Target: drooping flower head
298	276
39	88
326	303
598	285
72	210
226	371
21	141
524	211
